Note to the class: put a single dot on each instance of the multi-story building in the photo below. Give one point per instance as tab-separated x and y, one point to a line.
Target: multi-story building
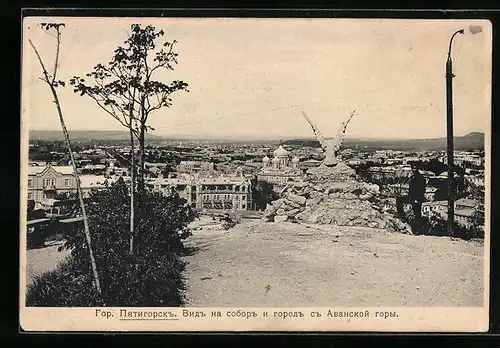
46	183
476	180
281	169
465	204
461	157
464	210
195	166
221	192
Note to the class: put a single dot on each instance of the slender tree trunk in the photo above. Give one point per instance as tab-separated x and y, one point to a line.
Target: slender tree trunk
142	156
132	173
132	188
75	169
142	152
79	191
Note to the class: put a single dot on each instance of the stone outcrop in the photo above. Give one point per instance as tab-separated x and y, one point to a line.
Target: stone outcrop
333	195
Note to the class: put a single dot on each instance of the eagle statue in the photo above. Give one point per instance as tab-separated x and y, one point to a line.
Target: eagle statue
330	146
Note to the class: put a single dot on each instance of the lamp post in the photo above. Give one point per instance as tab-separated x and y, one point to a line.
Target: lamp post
449	136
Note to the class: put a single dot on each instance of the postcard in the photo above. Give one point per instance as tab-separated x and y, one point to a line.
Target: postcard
255	174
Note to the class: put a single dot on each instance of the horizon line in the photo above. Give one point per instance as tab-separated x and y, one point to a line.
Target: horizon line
270	138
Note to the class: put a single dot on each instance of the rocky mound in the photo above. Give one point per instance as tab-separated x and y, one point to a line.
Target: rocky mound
333	195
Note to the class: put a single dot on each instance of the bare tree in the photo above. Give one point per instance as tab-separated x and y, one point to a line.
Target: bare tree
53	83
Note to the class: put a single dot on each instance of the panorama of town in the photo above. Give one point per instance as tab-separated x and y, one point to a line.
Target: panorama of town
217	176
133	213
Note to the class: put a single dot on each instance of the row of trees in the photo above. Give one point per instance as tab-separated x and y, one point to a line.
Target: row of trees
126	89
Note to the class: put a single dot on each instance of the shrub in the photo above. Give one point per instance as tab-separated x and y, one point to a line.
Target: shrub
437	226
66	286
152	275
38	235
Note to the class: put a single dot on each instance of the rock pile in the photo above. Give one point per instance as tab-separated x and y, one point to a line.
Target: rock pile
333	195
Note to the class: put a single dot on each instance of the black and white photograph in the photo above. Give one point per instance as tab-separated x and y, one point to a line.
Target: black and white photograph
334	171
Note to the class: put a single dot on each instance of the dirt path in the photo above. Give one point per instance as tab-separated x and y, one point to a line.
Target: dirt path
42	260
259	264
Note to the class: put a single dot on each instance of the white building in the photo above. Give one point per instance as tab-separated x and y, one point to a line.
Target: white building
464	210
195	166
45	183
221	192
281	169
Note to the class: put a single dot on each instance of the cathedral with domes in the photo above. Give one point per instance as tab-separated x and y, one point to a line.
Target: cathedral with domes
282	168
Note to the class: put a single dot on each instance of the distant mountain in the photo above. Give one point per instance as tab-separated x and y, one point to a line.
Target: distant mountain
89	135
471	141
82	135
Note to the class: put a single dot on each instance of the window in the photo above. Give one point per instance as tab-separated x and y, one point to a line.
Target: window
66	182
30	182
30	195
243	198
237	188
243	206
53	182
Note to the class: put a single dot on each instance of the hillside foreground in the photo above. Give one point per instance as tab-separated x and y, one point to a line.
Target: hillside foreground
287	264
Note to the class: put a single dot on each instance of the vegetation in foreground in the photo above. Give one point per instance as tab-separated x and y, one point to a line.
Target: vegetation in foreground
150	276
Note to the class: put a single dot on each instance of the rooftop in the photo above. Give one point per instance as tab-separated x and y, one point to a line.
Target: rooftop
91	181
280	152
198	181
466	202
442	203
34	170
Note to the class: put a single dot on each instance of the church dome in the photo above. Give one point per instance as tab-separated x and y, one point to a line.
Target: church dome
265	159
280	152
275	160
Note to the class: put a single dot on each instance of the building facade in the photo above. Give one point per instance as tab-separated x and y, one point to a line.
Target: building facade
218	193
195	167
46	183
464	210
281	169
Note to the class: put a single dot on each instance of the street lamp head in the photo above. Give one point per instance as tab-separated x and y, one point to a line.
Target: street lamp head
461	31
475	29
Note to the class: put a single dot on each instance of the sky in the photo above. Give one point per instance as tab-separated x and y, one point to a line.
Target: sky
253	78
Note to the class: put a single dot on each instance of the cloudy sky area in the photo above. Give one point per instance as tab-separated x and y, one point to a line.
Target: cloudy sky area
253	78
